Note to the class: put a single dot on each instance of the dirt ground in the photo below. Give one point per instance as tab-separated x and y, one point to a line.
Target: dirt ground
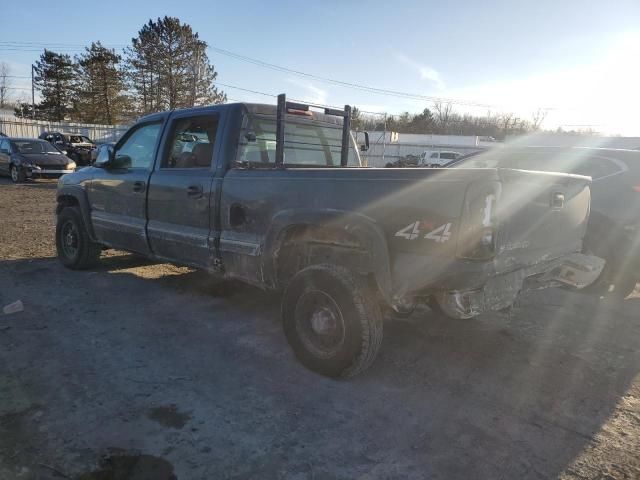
139	371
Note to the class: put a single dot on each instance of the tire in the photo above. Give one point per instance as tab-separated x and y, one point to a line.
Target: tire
332	320
17	174
75	249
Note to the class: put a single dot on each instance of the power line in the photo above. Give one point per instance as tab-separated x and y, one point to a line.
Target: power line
254	61
381	91
54	44
357	86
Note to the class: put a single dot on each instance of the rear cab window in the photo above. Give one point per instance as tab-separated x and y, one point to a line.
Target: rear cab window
308	143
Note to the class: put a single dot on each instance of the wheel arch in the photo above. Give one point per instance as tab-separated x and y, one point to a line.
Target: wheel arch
347	238
70	196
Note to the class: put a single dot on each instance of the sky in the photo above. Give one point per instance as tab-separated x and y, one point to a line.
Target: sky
577	60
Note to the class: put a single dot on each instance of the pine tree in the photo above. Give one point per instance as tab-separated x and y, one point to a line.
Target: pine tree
168	67
54	74
100	86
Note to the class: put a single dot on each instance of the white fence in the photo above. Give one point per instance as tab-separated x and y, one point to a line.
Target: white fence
26	127
383	150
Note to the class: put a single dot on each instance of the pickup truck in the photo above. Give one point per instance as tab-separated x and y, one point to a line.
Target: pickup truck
275	196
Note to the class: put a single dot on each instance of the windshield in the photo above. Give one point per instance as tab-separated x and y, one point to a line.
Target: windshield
28	147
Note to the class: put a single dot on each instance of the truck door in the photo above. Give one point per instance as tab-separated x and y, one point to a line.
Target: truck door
180	202
118	193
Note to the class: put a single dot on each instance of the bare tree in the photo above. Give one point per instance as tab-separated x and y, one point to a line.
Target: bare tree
443	113
507	122
537	118
4	83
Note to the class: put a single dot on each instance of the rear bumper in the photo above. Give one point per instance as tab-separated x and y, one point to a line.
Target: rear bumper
576	270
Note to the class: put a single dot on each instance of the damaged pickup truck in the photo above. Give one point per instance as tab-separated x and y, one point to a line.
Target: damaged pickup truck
276	197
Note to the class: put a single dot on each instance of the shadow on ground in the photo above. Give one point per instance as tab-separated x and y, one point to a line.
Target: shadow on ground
498	397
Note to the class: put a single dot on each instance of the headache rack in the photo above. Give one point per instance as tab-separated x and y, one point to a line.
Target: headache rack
285	107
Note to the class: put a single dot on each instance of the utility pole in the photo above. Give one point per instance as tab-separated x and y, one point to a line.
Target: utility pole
384	138
196	75
33	94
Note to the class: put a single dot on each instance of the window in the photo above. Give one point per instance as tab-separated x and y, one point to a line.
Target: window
448	155
434	155
35	146
306	144
138	147
4	146
191	142
79	139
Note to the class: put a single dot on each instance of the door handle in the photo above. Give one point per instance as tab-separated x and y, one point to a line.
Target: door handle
138	186
194	191
557	200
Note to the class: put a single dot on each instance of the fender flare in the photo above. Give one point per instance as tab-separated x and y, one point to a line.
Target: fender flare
363	228
80	196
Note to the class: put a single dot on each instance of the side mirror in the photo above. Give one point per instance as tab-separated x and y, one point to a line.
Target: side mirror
105	157
122	161
250	136
365	147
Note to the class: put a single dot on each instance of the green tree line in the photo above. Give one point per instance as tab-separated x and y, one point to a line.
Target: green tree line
165	67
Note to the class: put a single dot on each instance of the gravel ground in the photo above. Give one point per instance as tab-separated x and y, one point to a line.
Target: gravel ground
143	371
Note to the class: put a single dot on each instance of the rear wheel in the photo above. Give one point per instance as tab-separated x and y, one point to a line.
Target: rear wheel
17	174
75	249
332	320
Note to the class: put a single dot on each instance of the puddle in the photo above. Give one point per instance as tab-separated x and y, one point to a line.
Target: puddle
169	416
131	467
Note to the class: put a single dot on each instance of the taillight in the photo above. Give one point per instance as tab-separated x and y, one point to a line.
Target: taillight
477	236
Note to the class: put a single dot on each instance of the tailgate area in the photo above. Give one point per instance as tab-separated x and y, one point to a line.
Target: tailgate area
541	216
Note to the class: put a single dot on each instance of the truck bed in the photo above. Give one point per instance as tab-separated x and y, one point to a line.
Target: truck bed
418	212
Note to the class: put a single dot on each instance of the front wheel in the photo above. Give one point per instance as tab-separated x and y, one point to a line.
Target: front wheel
17	174
75	249
332	320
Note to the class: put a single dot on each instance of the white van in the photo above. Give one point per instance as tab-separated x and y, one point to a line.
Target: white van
437	159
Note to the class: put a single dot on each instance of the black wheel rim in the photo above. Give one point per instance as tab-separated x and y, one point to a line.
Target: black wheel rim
319	323
69	239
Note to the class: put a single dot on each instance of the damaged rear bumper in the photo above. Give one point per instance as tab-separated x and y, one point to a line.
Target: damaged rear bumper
576	270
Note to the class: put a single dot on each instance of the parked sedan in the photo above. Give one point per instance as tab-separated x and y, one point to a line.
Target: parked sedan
23	158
